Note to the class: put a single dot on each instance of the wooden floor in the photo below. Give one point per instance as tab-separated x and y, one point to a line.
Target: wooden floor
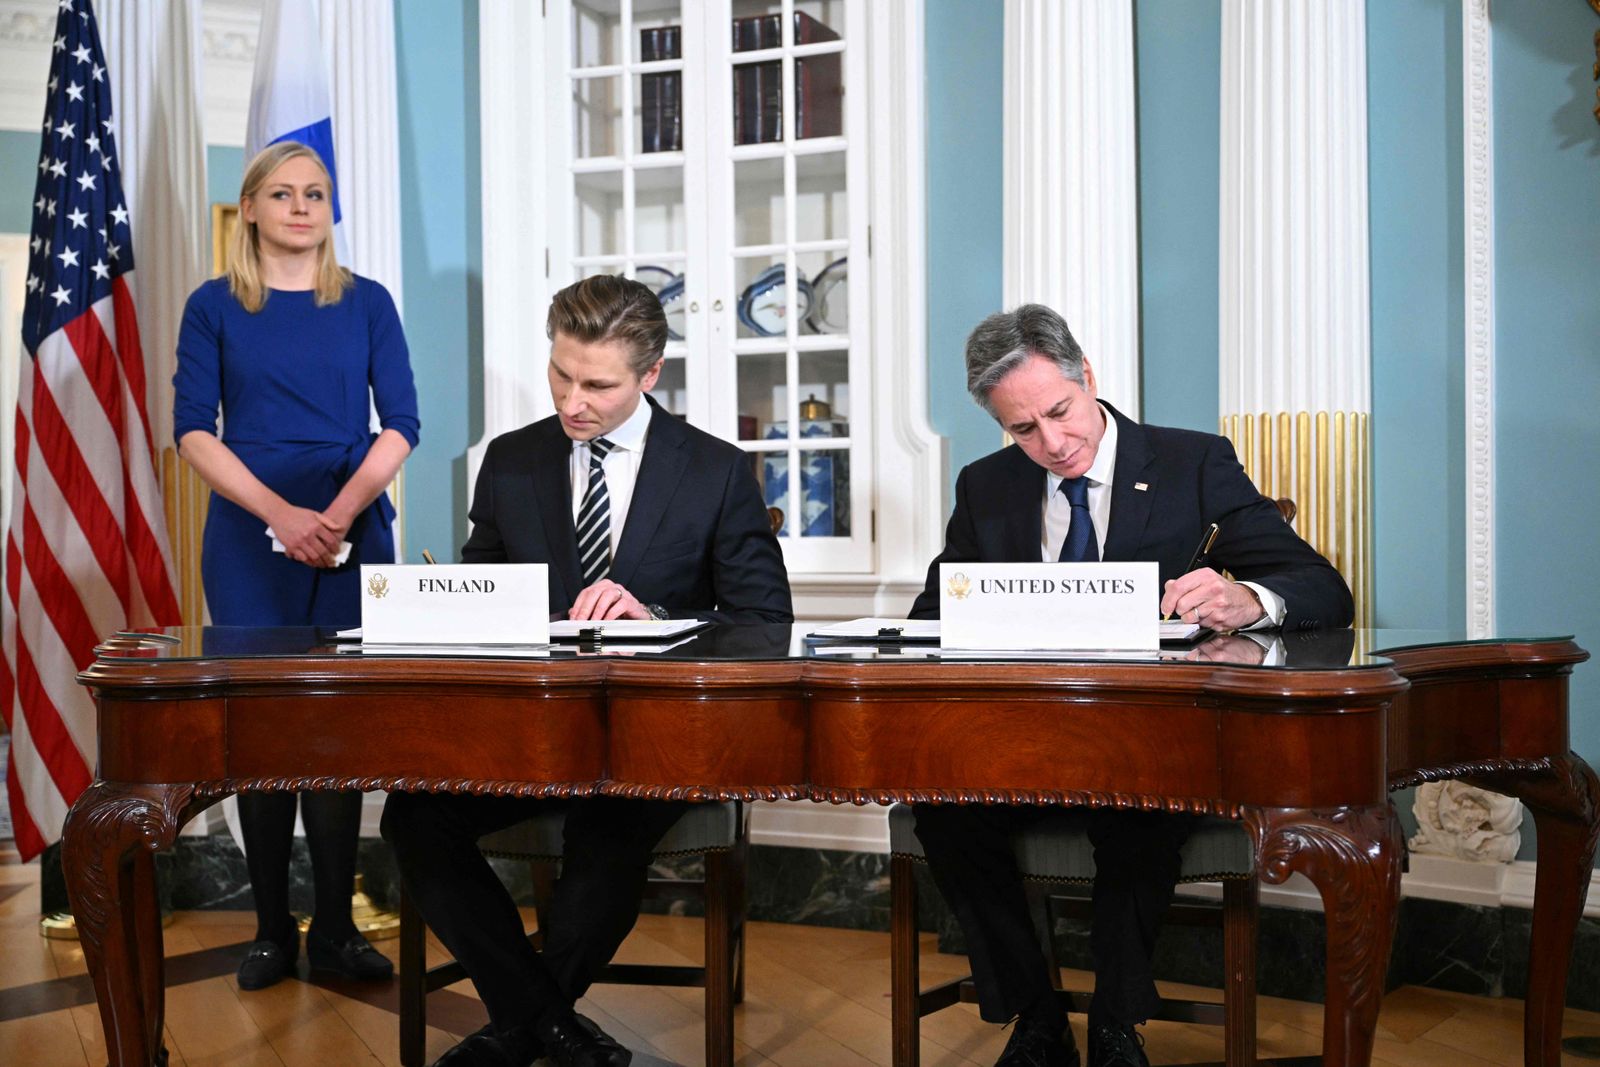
814	996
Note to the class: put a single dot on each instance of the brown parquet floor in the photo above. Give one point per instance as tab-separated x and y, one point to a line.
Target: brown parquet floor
815	997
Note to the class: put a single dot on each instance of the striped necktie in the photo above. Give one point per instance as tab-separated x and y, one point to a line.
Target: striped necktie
594	518
1080	545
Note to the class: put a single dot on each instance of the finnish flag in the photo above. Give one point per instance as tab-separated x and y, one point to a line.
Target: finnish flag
289	98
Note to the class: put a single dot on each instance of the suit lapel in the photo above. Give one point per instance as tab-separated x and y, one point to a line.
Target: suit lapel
1130	506
665	458
1024	498
552	488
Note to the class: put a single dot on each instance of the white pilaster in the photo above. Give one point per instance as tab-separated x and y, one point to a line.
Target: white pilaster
1478	146
909	456
1071	179
152	55
358	36
514	46
1294	265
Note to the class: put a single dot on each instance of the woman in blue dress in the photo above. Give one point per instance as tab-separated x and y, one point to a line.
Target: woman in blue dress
289	344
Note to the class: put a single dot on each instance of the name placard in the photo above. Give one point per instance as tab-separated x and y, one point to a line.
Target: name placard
455	604
1049	605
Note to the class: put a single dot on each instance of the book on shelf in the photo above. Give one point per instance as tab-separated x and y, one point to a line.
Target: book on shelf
661	93
758	87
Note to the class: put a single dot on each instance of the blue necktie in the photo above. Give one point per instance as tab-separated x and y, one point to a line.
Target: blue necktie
594	518
1080	545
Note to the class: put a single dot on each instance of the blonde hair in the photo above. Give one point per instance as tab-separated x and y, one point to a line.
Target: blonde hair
244	255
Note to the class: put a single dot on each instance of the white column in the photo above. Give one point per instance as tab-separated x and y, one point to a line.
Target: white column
1071	179
358	37
1295	346
1477	97
152	52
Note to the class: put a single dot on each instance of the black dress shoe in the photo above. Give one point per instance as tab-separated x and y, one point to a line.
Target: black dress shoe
1039	1046
570	1040
489	1048
1115	1046
267	963
354	958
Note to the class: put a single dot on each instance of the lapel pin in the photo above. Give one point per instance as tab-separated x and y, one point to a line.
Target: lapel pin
1141	486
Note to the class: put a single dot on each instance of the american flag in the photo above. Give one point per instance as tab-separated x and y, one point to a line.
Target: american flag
86	551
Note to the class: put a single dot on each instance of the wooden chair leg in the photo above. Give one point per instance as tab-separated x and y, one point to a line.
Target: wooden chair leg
413	983
1241	899
720	895
741	903
904	962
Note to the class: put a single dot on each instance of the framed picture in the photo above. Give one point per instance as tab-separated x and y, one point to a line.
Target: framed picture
224	220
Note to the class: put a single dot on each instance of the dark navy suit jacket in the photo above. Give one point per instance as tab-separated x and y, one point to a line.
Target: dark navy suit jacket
1189	480
697	539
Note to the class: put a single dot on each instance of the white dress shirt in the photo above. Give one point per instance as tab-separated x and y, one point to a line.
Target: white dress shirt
621	466
1058	510
1058	516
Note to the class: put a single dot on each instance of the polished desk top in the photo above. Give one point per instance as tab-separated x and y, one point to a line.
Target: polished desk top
1339	649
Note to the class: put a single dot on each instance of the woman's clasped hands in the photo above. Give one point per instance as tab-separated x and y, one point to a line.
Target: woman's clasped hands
309	537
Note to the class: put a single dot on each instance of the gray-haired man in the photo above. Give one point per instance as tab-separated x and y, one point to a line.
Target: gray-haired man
1084	482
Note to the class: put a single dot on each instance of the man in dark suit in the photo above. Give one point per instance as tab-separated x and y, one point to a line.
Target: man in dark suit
638	515
1081	476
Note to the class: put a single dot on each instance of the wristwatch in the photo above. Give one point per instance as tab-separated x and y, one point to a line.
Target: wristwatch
657	612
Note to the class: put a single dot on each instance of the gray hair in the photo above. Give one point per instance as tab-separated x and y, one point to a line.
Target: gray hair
1003	342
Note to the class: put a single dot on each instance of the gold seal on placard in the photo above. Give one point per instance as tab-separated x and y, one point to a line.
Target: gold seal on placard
959	586
377	587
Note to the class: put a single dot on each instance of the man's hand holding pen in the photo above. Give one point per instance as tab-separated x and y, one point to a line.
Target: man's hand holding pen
1202	596
1205	597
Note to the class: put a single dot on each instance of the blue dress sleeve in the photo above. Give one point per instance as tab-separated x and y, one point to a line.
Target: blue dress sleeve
394	393
197	383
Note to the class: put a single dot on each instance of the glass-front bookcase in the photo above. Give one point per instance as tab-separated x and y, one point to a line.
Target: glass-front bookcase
715	150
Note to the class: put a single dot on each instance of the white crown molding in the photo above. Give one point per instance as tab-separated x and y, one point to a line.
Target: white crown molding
26	29
228	51
1071	229
1477	99
27	21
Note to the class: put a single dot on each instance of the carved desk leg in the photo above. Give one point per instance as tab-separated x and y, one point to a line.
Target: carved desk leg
108	857
1565	802
1352	856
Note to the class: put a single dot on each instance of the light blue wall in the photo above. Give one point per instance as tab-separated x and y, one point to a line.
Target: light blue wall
1179	59
19	163
1547	337
441	208
224	173
965	139
1418	436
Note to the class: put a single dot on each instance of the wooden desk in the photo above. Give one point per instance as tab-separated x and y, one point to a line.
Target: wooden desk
1302	754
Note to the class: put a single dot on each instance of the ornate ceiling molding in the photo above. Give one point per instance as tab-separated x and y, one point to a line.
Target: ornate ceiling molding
228	50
